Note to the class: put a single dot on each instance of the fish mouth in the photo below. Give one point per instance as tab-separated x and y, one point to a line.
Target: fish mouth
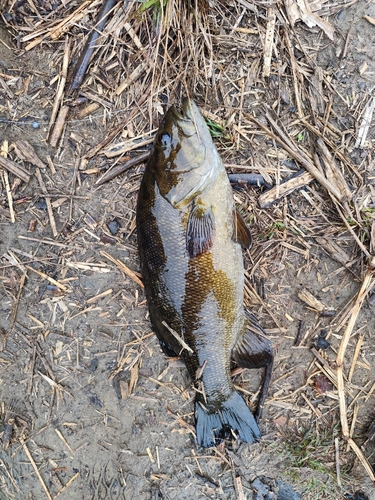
187	108
183	113
187	118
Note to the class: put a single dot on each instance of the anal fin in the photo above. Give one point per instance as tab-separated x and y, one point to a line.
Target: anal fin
254	350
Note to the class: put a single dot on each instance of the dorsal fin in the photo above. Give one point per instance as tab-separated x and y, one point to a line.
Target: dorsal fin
241	233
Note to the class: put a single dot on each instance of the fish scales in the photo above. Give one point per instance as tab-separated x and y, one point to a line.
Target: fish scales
189	238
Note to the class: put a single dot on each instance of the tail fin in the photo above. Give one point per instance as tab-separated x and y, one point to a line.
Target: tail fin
232	414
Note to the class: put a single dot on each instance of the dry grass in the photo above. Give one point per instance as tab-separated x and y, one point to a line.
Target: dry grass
259	82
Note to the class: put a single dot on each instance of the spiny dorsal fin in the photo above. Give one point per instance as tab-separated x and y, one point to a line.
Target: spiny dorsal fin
241	233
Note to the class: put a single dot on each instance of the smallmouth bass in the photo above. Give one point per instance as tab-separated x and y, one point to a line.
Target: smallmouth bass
189	239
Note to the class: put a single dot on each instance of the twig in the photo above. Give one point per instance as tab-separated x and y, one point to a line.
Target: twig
67	485
45	276
59	126
295	182
80	67
333	173
310	300
338	472
239	488
268	43
35	467
26	152
9	196
296	84
354	419
47	242
359	242
123	268
367	284
178	337
64	440
4	153
132	78
15	485
60	90
119	169
48	201
366	464
31	372
15	169
16	304
292	149
347	42
355	357
365	124
99	296
93	151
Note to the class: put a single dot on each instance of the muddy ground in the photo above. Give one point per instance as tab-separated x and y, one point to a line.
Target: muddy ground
85	390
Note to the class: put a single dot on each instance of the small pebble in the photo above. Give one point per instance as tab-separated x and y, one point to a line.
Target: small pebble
323	334
94	364
107	239
358	495
261	489
322	343
286	492
361	85
41	204
114	226
95	401
35	125
290	164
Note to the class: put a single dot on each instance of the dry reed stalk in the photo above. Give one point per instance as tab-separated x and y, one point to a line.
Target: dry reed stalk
297	154
268	42
367	285
67	485
81	65
4	153
51	280
29	456
48	202
124	268
60	89
15	169
355	357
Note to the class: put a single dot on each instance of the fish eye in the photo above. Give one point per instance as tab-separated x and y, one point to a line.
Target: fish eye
165	139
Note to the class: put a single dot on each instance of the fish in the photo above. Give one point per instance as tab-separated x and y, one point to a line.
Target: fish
189	240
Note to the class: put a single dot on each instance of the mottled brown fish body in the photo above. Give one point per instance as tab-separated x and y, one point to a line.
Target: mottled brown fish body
192	267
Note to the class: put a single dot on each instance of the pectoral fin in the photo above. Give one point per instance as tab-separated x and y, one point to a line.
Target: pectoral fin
254	350
241	233
200	230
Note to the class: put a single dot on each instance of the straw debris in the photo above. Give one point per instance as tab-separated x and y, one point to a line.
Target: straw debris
80	101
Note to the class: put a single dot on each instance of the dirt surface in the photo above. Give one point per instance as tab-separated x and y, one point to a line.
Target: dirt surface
86	393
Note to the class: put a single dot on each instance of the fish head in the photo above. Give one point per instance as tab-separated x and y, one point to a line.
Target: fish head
184	159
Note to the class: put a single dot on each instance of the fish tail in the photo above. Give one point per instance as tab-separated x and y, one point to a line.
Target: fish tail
230	415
